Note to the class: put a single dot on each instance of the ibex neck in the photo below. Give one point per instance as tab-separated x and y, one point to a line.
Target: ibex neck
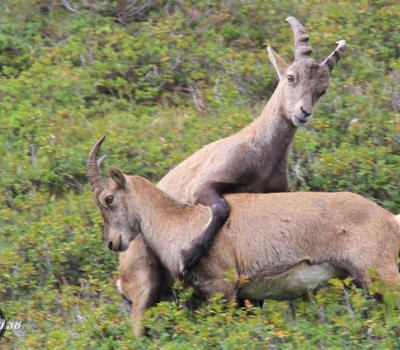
272	132
163	221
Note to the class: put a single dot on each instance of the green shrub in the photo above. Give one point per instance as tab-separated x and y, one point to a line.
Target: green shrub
161	83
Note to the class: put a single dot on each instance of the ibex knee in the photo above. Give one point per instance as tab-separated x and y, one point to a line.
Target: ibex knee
220	210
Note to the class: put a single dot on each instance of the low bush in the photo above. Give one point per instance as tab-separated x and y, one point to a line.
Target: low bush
162	82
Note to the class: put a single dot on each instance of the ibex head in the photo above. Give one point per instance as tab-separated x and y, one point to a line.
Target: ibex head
304	81
113	196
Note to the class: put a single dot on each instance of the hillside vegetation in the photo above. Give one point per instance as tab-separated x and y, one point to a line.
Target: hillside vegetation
161	79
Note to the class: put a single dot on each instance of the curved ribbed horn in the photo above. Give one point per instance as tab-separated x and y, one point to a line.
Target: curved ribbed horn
334	57
301	48
93	169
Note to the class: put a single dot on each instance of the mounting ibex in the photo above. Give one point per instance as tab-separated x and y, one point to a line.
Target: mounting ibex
253	160
281	244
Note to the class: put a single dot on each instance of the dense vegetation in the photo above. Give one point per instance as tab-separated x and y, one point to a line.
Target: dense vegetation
163	78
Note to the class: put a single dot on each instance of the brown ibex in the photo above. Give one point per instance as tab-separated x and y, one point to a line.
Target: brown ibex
253	160
280	245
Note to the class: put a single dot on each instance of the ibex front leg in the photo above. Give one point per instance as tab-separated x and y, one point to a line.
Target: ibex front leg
210	195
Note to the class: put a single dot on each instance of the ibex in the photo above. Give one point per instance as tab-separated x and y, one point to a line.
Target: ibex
280	245
253	160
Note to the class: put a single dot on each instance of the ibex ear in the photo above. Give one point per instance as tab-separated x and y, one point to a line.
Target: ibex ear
117	176
278	62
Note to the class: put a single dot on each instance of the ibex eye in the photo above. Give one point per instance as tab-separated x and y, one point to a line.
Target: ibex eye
290	78
109	199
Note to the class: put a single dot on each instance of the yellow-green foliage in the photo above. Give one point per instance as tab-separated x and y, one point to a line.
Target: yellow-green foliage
162	82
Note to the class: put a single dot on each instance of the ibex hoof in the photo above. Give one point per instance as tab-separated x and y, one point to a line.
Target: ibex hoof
182	269
189	258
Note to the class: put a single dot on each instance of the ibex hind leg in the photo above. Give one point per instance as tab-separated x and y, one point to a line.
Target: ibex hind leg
388	279
389	276
386	273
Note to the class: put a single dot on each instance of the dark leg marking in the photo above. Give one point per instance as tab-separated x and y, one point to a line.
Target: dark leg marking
292	308
211	196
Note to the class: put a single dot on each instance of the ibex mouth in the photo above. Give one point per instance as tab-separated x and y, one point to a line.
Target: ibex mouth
298	121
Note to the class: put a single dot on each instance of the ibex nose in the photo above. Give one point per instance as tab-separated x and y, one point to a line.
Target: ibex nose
109	245
305	113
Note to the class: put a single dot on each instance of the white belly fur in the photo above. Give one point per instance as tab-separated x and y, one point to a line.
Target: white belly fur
291	284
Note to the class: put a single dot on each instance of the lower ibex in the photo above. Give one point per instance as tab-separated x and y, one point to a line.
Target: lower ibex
275	246
252	160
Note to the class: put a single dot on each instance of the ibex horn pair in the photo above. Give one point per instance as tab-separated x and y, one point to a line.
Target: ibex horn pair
303	50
